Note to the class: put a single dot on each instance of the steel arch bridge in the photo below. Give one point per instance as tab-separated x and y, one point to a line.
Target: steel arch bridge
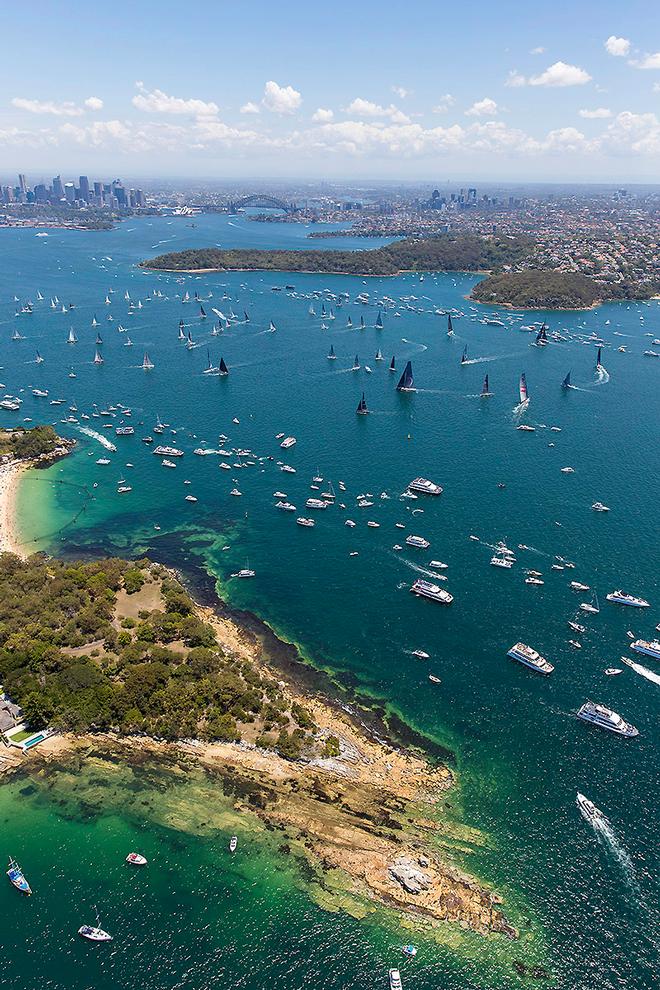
262	199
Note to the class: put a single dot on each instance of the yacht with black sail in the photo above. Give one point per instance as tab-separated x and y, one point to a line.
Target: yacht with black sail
407	382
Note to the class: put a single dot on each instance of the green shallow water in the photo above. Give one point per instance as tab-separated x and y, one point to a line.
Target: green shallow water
520	754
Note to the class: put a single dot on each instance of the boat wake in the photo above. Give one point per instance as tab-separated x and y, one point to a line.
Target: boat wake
613	845
650	675
479	360
602	375
426	571
420	347
96	436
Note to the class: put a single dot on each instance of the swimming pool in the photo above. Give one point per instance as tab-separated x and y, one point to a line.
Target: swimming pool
29	743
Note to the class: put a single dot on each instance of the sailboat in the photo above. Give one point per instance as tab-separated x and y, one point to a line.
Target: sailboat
392	364
223	370
362	406
484	389
541	337
362	323
322	311
72	339
128	342
450	328
147	363
464	356
598	363
311	310
53	304
331	353
209	370
202	313
39	296
406	382
245	316
94	933
524	395
379	356
99	340
271	327
16	335
186	297
190	343
127	296
356	364
379	321
39	359
567	381
95	322
97	358
107	300
182	335
349	323
17	878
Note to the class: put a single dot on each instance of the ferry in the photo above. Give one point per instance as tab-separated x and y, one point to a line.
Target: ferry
530	658
124	431
503	561
167	451
589	810
424	487
417	541
620	598
17	877
316	503
288	442
425	589
649	649
605	718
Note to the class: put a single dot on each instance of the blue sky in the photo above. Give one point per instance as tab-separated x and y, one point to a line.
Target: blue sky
519	91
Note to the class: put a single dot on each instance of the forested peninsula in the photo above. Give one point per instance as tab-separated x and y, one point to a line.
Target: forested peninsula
464	253
509	283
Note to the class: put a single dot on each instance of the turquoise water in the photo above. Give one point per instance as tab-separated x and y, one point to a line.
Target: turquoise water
520	753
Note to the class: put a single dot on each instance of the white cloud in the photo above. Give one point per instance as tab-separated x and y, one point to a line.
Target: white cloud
157	101
93	103
281	99
47	107
401	92
365	108
482	108
537	51
561	74
444	103
515	79
647	61
656	87
617	46
600	113
250	107
638	133
322	116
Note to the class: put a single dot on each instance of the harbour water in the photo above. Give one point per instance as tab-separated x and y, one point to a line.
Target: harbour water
586	904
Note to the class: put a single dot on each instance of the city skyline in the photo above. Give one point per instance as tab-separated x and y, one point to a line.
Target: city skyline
572	95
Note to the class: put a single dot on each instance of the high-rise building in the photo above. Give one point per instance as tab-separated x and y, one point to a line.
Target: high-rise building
69	192
40	193
22	182
98	188
58	188
84	188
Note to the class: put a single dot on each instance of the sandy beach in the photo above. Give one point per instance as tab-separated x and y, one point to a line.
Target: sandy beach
9	483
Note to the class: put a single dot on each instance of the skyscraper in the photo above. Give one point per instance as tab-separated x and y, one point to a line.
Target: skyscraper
69	191
22	181
58	187
84	188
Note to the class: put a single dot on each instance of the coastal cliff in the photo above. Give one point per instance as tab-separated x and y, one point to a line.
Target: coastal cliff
366	815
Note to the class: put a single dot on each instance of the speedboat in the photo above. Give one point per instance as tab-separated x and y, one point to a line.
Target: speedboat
611	671
576	586
17	877
599	507
589	810
136	859
576	627
420	654
233	842
607	719
303	521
